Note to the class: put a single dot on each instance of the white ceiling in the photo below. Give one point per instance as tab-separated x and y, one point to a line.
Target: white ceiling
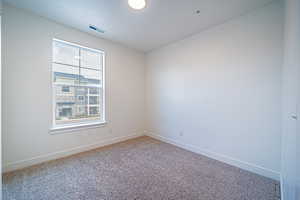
160	23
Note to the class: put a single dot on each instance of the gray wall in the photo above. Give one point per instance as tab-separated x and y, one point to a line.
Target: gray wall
27	53
220	91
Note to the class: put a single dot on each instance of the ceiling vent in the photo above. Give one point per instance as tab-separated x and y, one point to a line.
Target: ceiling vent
94	28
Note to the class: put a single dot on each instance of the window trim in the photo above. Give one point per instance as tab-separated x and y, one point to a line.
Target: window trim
54	128
76	127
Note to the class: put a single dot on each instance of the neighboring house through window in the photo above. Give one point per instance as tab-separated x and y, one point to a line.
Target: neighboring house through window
80	98
65	89
78	84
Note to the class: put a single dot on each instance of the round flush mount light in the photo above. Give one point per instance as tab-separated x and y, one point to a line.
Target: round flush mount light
137	4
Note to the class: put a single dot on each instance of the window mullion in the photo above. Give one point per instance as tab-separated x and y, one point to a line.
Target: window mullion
79	65
79	76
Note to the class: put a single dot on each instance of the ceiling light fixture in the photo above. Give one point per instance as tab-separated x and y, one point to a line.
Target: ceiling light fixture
137	4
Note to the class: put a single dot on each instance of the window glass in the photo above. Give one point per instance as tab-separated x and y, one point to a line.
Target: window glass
77	84
65	54
91	59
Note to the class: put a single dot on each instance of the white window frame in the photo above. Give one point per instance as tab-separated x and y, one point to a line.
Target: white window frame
85	124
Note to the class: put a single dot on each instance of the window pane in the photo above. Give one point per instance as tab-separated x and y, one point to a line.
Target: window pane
75	105
66	54
90	77
94	100
94	90
65	89
65	101
91	59
66	75
81	101
94	111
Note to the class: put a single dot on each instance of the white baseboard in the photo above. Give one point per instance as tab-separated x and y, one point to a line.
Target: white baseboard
223	158
60	154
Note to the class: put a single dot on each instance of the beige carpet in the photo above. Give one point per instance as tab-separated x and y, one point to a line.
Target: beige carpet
139	169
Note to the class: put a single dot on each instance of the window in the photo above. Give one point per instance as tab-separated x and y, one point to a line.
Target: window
94	110
65	89
81	98
65	112
78	85
93	100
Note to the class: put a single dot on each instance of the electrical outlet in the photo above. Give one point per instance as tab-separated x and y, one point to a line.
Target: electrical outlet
110	131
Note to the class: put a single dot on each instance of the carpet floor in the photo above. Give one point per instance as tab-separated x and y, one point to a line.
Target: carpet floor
138	169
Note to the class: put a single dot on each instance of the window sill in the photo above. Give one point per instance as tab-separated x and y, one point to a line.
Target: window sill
76	127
